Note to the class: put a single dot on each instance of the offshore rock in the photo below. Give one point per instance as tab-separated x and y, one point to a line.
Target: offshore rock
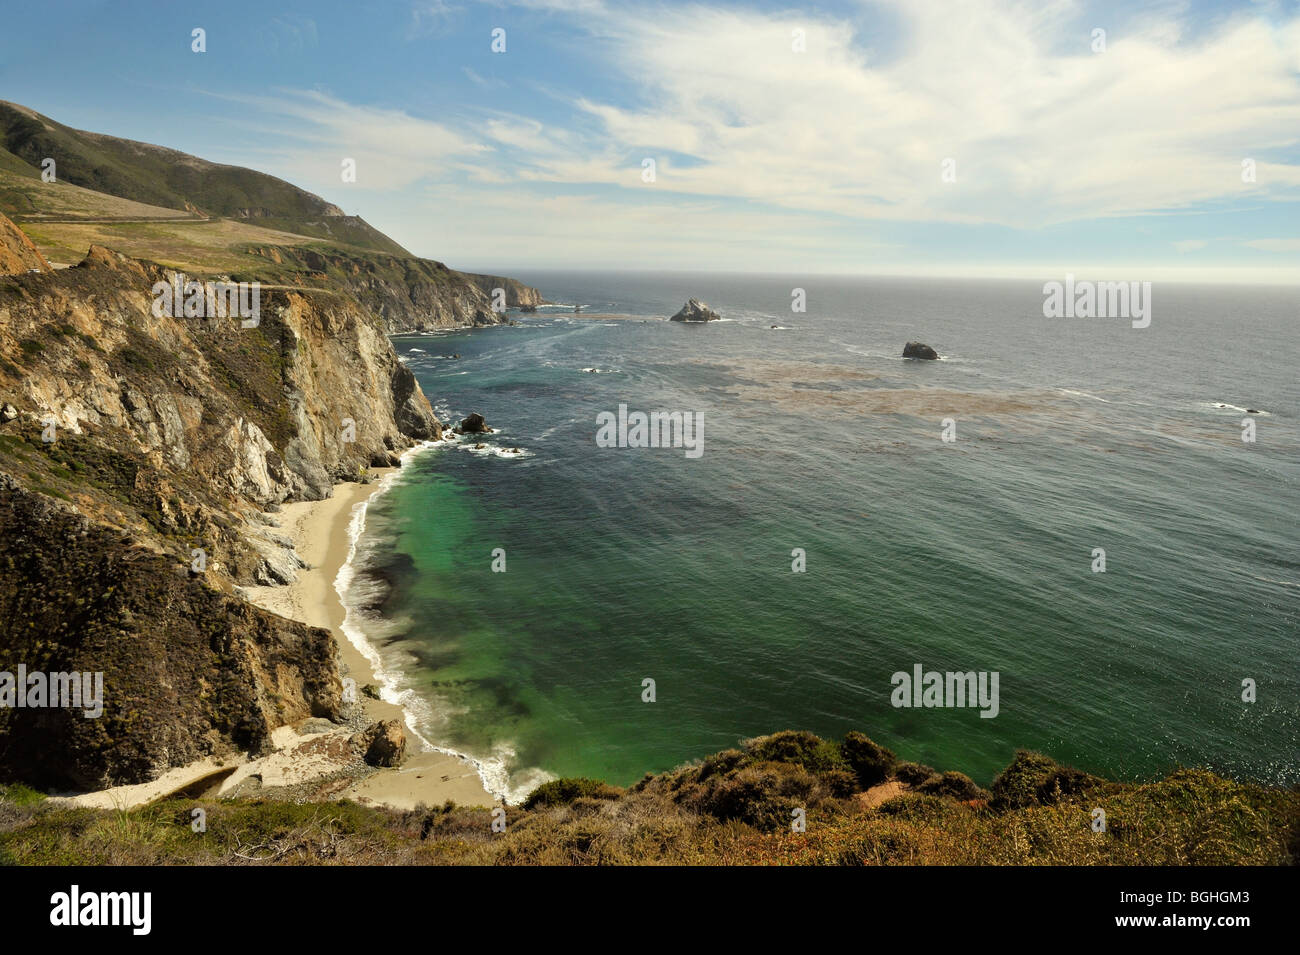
696	311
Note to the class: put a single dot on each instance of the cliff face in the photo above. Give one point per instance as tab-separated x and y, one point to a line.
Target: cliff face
261	412
410	294
131	442
187	670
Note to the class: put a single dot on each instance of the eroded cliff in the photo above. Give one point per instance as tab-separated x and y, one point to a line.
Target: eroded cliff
133	445
409	293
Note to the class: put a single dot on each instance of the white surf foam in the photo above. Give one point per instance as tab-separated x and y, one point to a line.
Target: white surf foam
494	771
1082	394
1224	406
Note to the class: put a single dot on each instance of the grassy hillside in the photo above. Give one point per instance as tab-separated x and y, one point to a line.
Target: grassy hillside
157	176
209	221
733	808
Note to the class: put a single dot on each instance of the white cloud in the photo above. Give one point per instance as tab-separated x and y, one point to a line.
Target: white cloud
769	158
1275	245
1042	129
487	83
392	148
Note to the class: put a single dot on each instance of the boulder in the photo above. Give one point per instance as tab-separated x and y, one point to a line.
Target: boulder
382	743
474	424
696	311
917	350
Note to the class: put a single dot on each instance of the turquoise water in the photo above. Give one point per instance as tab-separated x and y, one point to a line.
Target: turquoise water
630	563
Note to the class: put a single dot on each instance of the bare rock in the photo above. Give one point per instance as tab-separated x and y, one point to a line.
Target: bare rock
382	743
696	311
918	350
474	424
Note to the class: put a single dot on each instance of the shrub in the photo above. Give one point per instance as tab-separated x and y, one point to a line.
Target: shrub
1033	779
840	782
20	795
917	807
871	761
953	784
719	764
762	795
914	774
828	759
789	746
559	792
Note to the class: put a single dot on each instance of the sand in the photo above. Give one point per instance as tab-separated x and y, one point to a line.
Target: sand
319	531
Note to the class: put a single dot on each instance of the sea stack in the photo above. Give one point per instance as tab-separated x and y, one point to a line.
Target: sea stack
696	311
474	424
918	350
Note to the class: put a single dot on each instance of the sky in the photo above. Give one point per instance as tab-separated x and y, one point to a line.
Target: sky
1118	141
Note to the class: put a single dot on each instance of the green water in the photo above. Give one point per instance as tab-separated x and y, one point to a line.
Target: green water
635	563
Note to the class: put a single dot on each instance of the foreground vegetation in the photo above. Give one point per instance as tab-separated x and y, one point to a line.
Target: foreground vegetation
736	807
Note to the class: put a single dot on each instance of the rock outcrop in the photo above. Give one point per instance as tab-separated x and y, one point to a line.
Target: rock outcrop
696	311
382	744
308	397
473	424
187	670
410	294
918	350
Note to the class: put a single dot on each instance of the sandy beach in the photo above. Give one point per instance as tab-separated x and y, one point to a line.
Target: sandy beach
319	530
305	755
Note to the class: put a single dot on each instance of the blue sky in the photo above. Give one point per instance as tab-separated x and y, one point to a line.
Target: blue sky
1124	160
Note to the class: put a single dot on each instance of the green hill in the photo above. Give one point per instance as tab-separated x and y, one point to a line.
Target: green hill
157	176
211	220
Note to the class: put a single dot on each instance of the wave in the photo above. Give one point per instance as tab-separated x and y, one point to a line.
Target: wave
347	574
1224	406
1284	583
1082	394
493	771
493	451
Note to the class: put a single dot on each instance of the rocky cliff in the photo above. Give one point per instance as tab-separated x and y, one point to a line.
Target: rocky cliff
409	293
132	446
187	671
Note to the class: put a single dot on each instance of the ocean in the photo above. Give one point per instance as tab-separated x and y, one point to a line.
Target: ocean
829	537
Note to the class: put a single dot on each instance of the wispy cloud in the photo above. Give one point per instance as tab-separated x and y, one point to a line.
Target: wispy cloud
1040	128
1275	245
982	115
315	131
